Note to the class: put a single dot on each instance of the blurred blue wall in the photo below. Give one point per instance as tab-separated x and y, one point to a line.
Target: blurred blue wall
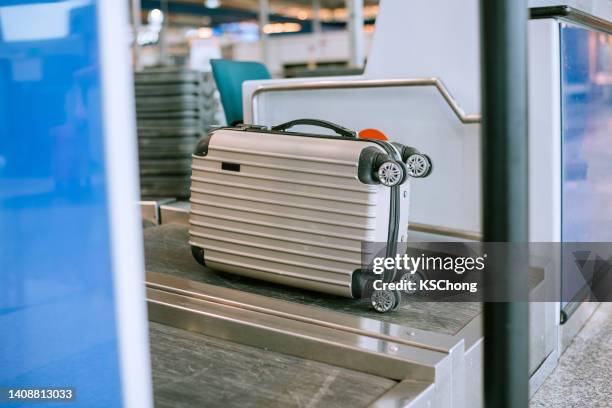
57	316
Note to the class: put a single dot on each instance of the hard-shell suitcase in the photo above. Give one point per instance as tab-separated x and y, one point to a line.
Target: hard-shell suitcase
295	208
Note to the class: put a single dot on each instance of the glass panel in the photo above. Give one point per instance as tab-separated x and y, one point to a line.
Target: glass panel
587	141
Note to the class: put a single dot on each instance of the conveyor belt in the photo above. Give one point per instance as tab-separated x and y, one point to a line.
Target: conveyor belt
423	345
167	251
193	370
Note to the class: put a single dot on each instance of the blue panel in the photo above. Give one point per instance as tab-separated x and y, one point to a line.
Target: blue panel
57	316
587	140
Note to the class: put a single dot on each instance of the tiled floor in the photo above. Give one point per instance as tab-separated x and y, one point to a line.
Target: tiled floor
583	378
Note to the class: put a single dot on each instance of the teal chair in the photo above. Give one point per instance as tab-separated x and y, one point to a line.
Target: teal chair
229	76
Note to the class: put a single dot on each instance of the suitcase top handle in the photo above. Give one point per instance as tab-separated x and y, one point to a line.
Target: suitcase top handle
340	130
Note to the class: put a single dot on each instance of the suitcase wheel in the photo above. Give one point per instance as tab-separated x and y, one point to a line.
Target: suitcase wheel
419	165
386	300
391	173
412	277
198	254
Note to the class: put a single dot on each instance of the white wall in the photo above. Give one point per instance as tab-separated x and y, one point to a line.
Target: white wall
415	39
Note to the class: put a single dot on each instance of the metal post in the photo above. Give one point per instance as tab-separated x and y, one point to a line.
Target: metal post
264	19
163	44
316	17
136	15
355	25
505	206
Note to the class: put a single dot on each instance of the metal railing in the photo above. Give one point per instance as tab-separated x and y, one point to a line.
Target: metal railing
363	84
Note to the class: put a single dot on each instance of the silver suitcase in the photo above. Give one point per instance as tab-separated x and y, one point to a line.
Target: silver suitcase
295	208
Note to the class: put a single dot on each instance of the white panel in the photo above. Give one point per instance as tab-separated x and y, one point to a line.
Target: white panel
544	180
430	38
544	132
122	190
249	88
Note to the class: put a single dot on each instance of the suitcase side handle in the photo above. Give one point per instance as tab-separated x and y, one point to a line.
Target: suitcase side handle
340	130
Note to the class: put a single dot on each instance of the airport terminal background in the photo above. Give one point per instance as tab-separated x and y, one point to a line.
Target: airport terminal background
161	245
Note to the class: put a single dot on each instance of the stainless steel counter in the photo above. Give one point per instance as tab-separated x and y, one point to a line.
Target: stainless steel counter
194	370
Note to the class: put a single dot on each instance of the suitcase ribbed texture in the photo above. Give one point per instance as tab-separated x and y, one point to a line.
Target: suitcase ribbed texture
173	108
295	213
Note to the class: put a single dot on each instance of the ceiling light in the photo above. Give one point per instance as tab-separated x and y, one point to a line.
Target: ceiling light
212	4
155	17
277	28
